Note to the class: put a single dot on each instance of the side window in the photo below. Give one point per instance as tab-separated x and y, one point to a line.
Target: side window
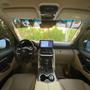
6	34
85	42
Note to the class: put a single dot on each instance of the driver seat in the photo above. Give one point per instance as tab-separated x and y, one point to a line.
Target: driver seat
20	82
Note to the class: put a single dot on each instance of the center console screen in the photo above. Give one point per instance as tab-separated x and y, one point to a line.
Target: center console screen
46	44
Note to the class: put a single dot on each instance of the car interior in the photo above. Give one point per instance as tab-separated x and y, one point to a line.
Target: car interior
44	45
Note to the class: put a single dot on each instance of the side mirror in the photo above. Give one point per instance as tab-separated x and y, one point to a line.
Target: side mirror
4	43
86	45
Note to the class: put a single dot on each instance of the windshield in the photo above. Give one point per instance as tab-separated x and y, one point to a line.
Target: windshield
59	30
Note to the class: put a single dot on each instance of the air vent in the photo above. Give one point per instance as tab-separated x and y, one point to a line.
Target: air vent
48	12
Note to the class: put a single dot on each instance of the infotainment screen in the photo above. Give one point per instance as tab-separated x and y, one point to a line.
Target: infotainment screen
46	43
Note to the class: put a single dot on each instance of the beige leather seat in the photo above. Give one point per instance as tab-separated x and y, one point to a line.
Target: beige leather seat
20	82
73	84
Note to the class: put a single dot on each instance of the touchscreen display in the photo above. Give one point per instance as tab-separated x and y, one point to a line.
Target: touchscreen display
46	43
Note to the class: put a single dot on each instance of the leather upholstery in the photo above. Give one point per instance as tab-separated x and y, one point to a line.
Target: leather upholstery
27	82
73	84
48	86
20	82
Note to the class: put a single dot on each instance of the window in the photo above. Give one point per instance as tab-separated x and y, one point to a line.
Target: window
5	33
58	30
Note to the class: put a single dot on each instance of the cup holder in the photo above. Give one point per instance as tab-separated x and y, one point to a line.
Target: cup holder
42	77
49	77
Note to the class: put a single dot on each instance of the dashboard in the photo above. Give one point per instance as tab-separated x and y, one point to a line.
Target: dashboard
63	53
44	50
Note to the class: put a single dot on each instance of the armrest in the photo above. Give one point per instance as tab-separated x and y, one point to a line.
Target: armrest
48	86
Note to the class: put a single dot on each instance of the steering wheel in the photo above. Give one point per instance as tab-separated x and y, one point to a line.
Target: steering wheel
25	51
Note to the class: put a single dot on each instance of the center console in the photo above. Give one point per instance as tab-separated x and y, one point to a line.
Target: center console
46	61
46	67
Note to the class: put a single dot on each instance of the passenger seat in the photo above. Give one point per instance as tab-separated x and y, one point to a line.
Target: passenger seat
20	82
74	84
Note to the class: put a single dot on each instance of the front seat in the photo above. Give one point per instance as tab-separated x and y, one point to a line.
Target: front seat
74	84
20	82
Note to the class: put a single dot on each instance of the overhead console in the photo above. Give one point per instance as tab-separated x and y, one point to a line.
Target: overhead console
48	12
46	61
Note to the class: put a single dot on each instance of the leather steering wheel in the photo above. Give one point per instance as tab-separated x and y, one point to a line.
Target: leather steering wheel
25	51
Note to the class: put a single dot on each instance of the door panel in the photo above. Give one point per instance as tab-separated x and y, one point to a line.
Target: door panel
82	58
79	66
5	59
6	53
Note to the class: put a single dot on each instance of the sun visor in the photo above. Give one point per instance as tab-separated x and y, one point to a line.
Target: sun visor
74	14
21	13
